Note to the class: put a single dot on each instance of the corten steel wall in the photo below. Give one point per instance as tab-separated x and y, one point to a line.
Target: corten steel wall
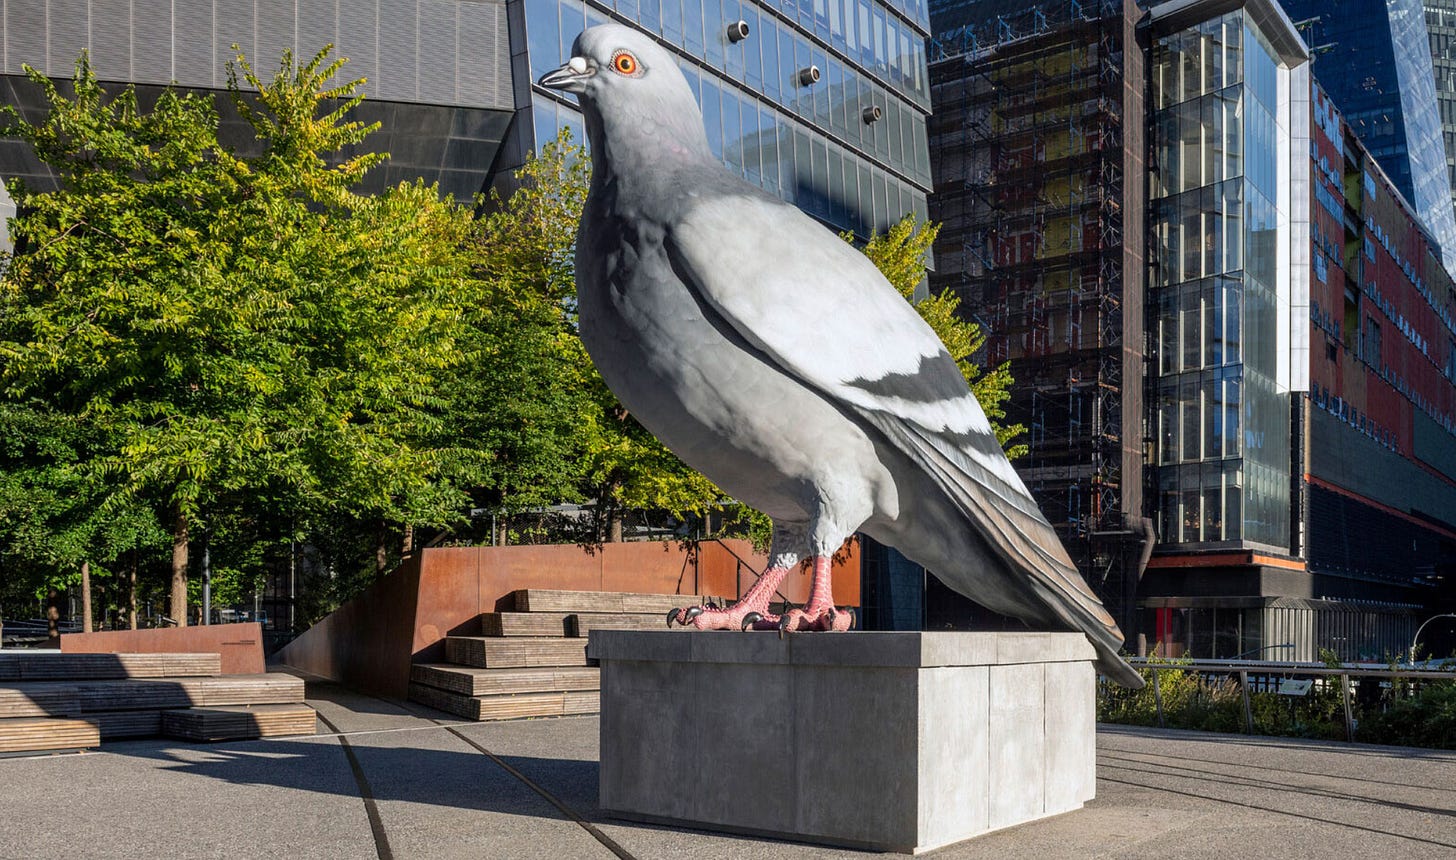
241	645
370	642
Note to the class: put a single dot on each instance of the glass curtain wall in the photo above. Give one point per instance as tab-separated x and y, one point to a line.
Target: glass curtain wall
808	144
1221	425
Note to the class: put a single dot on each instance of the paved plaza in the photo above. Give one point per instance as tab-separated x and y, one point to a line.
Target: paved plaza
391	780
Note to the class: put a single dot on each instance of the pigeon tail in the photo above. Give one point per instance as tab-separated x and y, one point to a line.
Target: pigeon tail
1026	542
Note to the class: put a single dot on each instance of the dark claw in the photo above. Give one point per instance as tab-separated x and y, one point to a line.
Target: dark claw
749	620
671	617
690	613
783	624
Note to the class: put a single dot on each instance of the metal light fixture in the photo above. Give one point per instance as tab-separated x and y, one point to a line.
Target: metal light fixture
871	114
738	31
809	76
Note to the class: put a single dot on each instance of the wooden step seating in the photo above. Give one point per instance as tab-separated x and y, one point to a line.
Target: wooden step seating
28	735
239	722
44	694
531	662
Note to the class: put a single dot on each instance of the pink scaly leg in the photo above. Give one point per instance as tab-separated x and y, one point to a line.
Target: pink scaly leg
819	613
750	610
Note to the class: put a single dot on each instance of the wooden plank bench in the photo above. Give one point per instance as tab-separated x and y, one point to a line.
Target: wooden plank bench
136	694
548	600
238	722
582	623
128	724
472	681
54	666
491	653
523	624
41	699
47	734
521	706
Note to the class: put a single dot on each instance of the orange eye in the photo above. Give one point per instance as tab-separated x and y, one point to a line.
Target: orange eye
624	63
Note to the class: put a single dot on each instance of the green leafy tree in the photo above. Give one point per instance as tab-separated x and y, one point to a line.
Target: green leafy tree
900	254
235	331
520	396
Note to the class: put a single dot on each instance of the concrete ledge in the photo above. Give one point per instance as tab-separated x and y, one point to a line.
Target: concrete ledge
860	648
889	741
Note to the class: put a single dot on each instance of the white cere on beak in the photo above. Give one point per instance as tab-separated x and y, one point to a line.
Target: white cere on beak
578	65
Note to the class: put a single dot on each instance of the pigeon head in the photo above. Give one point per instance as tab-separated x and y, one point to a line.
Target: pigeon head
632	93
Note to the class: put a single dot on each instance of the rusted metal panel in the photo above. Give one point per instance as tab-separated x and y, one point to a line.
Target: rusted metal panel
241	645
366	643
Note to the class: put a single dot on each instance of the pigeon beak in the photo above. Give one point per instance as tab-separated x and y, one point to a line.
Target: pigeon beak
570	78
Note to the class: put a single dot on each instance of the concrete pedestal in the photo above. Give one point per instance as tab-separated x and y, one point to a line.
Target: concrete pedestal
889	741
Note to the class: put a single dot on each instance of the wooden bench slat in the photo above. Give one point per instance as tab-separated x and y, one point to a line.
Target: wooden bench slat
550	600
523	624
164	693
39	734
582	623
41	699
507	707
53	666
472	681
128	724
494	653
239	722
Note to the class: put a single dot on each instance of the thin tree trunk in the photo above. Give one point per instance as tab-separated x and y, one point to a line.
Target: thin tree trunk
179	571
381	550
131	597
53	615
614	526
86	620
408	543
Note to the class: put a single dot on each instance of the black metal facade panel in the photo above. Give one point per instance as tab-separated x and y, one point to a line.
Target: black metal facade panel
1356	539
433	51
1343	456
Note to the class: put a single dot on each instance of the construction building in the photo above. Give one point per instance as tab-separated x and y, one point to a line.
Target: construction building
1037	143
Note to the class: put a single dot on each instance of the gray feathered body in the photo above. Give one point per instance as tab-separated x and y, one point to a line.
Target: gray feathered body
774	358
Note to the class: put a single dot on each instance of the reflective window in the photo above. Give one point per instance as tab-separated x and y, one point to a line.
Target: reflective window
1222	431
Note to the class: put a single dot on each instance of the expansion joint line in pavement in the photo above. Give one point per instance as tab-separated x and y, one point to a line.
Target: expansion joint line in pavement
607	842
371	808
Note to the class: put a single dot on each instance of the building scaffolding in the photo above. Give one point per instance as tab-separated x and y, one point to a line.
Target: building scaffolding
1030	144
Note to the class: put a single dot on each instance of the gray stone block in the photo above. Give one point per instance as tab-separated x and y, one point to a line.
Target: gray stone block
888	741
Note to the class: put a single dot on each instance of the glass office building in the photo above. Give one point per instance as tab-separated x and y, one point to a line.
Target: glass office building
846	145
1371	57
1220	290
1441	27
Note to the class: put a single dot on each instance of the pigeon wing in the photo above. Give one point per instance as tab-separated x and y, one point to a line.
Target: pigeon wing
822	313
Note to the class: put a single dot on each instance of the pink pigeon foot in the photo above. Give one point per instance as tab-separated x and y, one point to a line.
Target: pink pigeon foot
819	613
749	612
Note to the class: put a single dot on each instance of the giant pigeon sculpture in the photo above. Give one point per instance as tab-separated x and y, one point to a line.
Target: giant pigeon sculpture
773	357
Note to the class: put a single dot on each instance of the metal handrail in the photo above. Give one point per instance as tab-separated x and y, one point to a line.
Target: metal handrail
1270	667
